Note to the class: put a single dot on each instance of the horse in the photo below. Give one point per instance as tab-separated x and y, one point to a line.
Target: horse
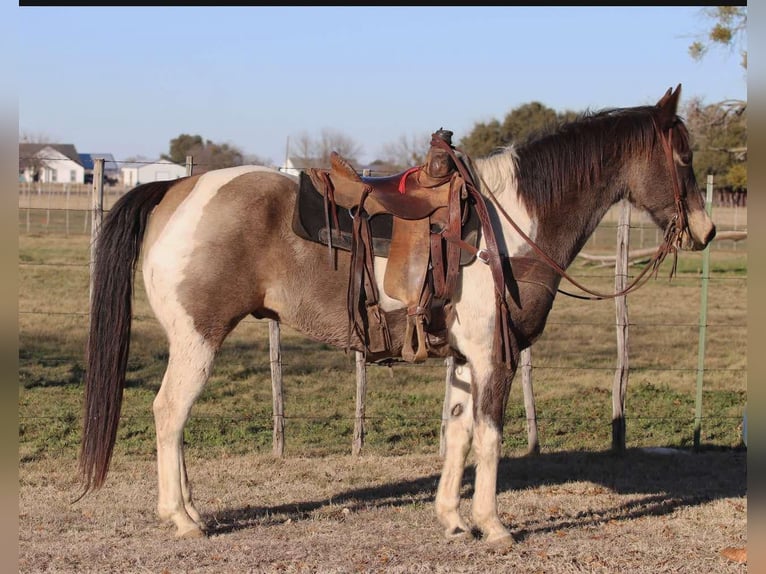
219	246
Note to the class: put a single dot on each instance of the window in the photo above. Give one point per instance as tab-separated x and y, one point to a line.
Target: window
54	175
72	175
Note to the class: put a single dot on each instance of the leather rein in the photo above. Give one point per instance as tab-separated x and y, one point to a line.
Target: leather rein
671	240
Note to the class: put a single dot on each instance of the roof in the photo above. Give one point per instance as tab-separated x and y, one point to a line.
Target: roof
29	150
109	164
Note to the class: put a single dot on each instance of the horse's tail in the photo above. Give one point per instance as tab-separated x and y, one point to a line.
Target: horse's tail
116	254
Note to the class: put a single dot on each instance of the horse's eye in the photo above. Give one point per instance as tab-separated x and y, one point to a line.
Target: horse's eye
683	158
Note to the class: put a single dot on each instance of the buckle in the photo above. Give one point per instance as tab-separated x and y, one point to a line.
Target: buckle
483	256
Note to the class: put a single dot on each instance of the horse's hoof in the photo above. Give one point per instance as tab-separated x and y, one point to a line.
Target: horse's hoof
500	543
194	532
458	533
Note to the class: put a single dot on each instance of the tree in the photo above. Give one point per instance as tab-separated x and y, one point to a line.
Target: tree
729	29
34	163
318	149
407	152
206	153
519	125
182	146
719	141
483	139
720	129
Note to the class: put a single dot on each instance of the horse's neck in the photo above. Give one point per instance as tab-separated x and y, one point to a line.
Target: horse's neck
552	213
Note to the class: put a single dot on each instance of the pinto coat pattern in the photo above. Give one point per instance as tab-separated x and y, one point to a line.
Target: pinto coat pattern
219	247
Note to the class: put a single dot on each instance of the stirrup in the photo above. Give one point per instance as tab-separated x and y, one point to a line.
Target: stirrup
408	354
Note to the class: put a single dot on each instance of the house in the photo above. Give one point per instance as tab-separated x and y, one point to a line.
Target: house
134	173
50	163
111	168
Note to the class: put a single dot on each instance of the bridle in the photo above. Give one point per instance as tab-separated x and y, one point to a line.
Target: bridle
671	242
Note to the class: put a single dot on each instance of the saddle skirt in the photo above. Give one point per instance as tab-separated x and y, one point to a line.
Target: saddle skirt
403	217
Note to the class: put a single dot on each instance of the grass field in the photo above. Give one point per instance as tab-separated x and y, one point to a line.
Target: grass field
573	508
573	368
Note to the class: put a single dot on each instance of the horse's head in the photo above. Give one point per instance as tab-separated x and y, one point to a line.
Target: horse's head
666	186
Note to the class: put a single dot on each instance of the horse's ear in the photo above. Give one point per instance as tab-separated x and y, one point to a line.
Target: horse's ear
668	105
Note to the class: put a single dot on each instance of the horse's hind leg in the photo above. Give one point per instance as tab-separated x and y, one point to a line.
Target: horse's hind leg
458	438
187	372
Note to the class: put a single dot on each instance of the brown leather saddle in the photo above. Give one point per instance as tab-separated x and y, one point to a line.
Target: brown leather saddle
407	218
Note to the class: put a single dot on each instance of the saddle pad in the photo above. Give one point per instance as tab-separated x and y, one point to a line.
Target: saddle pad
309	223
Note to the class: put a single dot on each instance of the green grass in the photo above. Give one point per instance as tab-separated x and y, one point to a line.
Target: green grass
573	367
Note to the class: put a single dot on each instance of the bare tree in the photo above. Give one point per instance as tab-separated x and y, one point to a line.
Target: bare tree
407	151
318	150
32	161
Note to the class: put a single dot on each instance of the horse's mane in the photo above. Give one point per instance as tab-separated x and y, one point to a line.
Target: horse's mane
569	156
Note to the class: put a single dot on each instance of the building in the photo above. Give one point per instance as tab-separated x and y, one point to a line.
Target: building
50	163
111	168
135	173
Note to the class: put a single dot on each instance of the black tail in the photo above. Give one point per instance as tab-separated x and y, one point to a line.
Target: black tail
118	247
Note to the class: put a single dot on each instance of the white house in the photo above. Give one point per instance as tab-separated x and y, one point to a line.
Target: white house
50	163
143	172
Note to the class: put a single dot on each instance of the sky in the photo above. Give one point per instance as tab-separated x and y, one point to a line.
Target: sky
127	80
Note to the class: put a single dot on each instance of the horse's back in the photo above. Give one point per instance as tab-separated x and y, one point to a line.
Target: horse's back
220	247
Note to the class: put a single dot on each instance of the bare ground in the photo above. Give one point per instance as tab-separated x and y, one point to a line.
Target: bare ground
568	512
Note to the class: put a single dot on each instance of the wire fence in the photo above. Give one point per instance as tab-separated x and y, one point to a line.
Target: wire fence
65	210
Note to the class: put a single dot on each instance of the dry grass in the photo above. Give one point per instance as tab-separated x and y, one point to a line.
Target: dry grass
568	512
571	509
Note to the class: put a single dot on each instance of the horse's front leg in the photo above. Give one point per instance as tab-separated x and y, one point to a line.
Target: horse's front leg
184	378
492	394
458	436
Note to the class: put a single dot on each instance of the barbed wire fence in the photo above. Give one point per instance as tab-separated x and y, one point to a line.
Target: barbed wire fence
55	208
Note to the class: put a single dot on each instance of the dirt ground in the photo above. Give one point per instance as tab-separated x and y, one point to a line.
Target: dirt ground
568	512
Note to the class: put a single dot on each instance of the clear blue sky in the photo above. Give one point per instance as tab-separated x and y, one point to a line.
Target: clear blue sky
127	80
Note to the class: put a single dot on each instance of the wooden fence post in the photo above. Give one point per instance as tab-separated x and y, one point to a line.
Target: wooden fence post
277	397
97	214
620	383
361	396
189	165
361	393
533	443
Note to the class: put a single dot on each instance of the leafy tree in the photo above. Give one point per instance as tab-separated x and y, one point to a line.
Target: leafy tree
526	121
719	141
206	153
485	138
720	129
729	29
520	124
182	146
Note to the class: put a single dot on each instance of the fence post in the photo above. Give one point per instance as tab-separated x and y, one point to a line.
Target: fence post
533	443
97	215
702	323
277	397
361	393
189	165
361	397
620	383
